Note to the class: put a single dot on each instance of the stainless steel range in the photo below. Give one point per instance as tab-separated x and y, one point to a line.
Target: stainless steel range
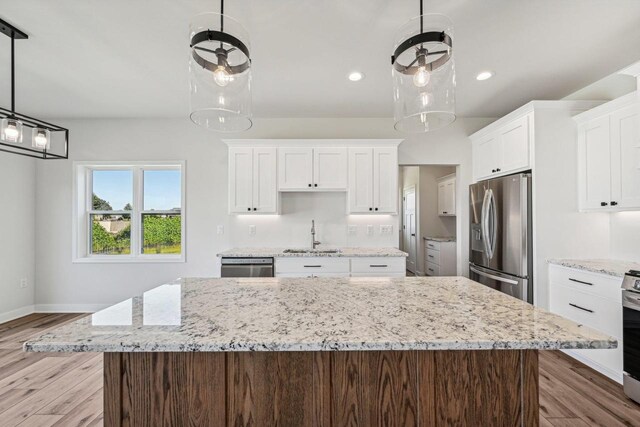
631	334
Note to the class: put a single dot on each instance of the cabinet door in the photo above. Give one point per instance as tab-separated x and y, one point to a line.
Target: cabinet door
360	180
594	164
514	146
450	197
485	157
385	180
265	181
295	168
441	198
625	157
330	168
240	179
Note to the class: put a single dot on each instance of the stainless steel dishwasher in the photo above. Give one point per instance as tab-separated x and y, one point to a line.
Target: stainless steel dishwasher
247	267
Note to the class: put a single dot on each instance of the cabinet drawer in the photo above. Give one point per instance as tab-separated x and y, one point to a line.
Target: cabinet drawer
304	265
584	281
433	269
375	266
432	245
433	256
590	310
309	275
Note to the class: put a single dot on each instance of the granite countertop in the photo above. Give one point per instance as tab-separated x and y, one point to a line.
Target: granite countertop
319	314
440	239
610	267
342	252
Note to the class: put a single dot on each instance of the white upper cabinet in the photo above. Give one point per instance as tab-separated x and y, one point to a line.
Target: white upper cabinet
609	156
252	180
295	168
315	168
504	149
447	195
373	180
330	168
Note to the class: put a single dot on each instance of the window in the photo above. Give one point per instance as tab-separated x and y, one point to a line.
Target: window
129	212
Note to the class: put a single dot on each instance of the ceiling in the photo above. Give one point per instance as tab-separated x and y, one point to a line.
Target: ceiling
128	58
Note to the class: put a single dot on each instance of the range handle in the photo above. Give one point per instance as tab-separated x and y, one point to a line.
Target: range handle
493	276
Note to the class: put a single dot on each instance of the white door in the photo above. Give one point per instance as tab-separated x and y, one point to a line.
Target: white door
514	145
330	168
385	180
295	168
486	157
450	197
360	180
625	157
240	179
595	164
409	226
265	180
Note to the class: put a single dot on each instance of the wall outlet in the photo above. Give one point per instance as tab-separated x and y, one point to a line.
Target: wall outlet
352	230
369	230
386	229
23	283
252	230
220	229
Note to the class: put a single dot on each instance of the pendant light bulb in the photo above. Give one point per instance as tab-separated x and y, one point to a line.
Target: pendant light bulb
221	76
421	77
12	131
40	140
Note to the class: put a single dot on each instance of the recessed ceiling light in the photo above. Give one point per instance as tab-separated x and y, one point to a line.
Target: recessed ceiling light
356	76
485	75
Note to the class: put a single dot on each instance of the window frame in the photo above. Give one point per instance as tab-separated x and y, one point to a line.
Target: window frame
83	210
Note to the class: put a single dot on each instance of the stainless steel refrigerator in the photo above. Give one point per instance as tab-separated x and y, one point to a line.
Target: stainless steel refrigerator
500	249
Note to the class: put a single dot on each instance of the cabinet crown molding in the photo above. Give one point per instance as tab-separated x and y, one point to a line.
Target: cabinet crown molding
608	107
298	142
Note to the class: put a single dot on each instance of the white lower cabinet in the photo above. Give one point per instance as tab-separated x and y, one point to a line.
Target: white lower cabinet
593	300
340	267
440	258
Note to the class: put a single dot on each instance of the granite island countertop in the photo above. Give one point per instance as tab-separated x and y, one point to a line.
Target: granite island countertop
341	252
319	314
609	267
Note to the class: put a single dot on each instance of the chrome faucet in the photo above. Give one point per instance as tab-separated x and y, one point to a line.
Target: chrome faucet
314	242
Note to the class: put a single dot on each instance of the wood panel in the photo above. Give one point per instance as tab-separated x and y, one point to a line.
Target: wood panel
165	389
282	388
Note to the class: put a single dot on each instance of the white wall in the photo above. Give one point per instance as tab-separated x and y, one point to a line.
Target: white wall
62	285
625	236
17	238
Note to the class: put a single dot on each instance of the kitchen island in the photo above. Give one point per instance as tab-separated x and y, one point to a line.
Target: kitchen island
322	351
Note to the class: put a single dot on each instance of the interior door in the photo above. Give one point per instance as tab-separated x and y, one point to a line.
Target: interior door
330	168
295	168
241	179
409	226
625	157
265	180
595	164
385	180
360	180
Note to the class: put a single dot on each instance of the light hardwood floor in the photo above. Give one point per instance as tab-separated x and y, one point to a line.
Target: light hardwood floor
43	389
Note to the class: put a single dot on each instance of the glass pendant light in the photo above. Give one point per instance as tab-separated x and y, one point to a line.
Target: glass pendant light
40	138
220	73
424	78
11	130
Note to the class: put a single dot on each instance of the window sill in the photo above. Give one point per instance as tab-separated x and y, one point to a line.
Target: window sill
150	259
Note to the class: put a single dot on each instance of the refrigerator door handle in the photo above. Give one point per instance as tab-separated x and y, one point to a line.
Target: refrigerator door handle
484	223
494	221
493	276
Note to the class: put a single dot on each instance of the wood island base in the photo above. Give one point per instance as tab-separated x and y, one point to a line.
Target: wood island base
364	388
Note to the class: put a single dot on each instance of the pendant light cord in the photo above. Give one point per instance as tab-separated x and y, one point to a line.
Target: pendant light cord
222	16
13	74
421	18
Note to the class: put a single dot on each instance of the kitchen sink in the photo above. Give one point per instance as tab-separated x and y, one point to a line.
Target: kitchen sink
312	251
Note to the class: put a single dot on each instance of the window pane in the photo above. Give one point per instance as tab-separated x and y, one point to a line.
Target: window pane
111	234
161	234
162	190
112	190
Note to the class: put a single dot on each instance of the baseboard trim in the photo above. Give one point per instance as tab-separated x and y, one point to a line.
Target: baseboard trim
616	376
15	314
69	308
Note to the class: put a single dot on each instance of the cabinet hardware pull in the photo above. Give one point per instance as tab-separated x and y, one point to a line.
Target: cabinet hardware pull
604	204
248	209
614	203
370	209
378	265
493	171
580	281
312	266
255	209
430	256
444	212
309	185
580	308
376	209
498	170
430	269
413	235
315	185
